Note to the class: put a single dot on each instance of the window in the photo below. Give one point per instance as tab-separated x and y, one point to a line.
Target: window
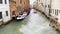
42	4
49	12
53	11
0	1
28	1
6	13
57	12
20	1
0	15
24	2
48	6
5	1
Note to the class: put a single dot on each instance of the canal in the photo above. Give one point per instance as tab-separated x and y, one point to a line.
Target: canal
35	23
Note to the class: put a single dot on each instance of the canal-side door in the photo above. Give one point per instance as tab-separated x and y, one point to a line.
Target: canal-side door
13	13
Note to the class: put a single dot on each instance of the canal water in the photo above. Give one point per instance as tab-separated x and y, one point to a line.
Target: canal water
35	23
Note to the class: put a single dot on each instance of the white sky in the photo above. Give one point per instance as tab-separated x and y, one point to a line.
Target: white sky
31	1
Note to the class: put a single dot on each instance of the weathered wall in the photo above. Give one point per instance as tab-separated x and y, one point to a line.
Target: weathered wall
18	6
3	8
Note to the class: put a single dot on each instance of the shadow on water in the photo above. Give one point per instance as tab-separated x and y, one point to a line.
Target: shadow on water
19	22
15	23
13	27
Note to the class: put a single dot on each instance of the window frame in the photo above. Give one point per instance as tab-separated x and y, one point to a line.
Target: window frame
6	13
0	15
1	1
20	1
5	1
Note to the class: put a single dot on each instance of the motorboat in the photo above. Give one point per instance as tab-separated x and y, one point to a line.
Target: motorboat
22	16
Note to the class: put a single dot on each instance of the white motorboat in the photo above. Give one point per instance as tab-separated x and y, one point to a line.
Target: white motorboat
22	16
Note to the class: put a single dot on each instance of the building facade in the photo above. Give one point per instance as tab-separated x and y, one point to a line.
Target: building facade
12	4
4	11
18	6
11	8
55	9
55	13
51	8
43	6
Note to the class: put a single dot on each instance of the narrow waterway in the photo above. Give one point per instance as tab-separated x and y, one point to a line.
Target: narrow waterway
35	23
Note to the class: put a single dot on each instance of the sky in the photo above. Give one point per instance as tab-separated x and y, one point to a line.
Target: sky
31	1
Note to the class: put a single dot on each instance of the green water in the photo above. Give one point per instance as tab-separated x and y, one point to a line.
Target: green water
37	20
